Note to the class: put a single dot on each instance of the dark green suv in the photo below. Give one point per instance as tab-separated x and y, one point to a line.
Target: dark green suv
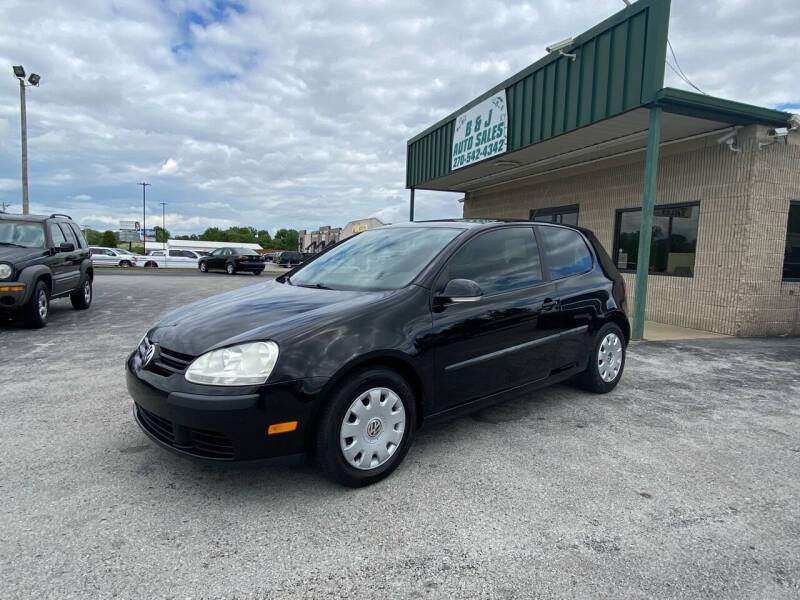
42	258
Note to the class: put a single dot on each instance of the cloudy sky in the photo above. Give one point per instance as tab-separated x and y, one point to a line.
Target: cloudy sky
296	114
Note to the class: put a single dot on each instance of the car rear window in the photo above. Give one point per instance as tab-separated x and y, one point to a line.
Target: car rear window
565	252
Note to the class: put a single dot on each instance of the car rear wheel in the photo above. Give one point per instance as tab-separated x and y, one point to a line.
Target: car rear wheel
366	427
230	269
257	273
82	297
203	267
606	361
151	264
125	263
37	309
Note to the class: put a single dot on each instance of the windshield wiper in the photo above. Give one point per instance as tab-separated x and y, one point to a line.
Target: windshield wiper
318	286
12	244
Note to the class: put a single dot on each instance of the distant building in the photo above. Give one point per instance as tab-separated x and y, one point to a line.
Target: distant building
317	241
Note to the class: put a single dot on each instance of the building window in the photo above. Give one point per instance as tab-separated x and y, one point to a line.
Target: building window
791	258
674	241
560	215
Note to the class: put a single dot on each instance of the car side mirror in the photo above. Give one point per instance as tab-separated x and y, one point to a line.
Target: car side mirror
66	247
461	290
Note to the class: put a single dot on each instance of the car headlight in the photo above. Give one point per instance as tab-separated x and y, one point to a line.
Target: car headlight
5	271
244	364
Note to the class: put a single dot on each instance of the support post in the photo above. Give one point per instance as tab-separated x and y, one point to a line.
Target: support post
411	206
646	229
24	128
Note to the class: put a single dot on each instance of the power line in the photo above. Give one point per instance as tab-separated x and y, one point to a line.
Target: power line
679	72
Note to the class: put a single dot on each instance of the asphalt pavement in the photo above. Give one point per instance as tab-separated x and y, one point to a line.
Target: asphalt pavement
682	483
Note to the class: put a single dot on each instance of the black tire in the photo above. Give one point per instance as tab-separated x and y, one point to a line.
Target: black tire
591	379
327	450
125	263
230	269
257	273
31	315
151	264
203	267
82	297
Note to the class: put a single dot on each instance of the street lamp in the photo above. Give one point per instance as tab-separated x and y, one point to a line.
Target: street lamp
19	73
144	216
163	225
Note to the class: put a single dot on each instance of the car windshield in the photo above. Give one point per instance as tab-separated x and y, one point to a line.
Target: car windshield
380	259
21	233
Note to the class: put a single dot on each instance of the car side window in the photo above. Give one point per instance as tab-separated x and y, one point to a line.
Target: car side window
565	252
78	236
56	235
69	235
498	261
175	253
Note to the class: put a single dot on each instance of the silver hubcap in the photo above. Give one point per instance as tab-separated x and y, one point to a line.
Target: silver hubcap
42	304
87	291
203	267
372	428
230	268
609	357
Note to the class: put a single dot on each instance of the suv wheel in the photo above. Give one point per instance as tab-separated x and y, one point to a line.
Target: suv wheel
82	297
606	361
230	268
37	309
366	428
125	263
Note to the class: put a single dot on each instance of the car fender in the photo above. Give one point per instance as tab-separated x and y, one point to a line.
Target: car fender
29	275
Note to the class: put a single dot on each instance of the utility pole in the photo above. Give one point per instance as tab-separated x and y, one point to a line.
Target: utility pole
19	73
163	224
144	216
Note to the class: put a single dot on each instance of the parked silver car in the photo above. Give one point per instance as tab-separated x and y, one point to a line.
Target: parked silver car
175	259
115	257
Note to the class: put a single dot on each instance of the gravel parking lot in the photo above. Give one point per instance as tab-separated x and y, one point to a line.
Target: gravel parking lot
683	482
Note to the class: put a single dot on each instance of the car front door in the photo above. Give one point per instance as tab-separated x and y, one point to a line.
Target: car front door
215	261
503	340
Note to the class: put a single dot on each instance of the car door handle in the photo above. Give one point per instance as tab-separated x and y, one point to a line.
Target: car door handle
549	304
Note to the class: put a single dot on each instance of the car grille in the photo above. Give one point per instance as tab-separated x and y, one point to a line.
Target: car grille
203	443
167	362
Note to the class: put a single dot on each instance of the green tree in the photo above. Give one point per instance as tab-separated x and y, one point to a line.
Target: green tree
92	236
286	239
162	235
108	239
264	239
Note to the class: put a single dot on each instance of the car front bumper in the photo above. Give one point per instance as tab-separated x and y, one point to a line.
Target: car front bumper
13	295
226	426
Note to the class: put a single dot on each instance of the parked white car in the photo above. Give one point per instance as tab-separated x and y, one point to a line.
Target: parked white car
174	259
115	257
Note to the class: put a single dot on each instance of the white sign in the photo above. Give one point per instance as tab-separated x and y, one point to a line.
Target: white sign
481	132
129	226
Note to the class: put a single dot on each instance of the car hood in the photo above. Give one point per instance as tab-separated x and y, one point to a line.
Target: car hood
269	310
15	255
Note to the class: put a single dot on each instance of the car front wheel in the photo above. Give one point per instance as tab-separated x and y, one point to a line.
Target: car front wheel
366	427
203	267
37	309
230	269
606	361
125	263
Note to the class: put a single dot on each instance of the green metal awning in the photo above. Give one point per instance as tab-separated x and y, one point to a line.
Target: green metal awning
564	112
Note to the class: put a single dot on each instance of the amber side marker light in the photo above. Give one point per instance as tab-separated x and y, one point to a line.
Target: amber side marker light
282	427
12	288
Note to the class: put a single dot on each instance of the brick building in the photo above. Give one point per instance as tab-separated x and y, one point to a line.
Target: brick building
592	138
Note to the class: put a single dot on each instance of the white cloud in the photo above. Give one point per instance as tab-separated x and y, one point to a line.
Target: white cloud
296	114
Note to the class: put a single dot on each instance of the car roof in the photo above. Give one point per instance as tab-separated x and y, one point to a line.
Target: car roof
469	223
35	218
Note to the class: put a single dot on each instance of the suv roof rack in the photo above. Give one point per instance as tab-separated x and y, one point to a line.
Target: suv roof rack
60	215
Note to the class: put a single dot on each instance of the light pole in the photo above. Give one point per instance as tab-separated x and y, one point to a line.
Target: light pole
19	73
144	216
163	225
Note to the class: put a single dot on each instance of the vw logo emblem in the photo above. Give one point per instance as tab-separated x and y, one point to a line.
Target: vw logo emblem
374	427
148	355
